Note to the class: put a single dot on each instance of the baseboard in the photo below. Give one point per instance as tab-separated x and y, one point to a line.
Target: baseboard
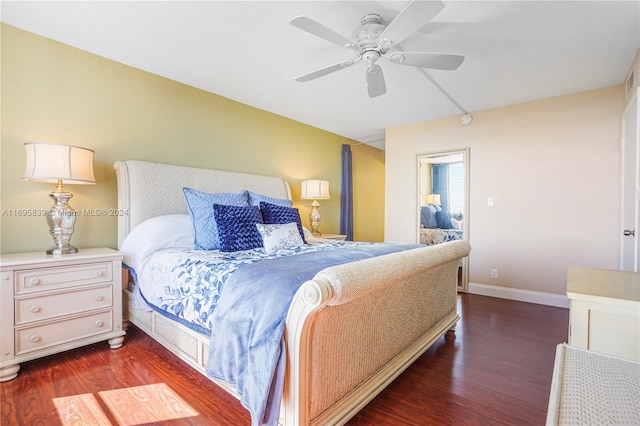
550	299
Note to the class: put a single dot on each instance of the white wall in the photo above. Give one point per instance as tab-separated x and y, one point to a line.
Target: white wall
553	168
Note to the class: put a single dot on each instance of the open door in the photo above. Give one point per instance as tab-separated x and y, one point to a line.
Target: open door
630	187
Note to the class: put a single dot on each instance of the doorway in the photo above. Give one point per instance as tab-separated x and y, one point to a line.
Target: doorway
443	201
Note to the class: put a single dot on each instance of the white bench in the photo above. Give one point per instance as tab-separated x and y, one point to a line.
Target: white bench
591	388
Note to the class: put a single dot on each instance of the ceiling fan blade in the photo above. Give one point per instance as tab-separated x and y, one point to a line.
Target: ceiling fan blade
439	61
375	81
319	30
326	70
409	20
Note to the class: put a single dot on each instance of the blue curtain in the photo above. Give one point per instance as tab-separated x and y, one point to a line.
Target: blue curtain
346	202
440	183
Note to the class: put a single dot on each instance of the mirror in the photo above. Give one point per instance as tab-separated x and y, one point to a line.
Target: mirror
443	201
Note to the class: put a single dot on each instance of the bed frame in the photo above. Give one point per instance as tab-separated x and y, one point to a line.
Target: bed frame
349	332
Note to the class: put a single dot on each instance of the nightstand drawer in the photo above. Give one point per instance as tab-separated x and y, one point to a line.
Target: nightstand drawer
41	307
32	280
47	335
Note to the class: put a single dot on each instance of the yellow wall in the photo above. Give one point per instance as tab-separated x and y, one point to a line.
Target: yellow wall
369	190
553	168
55	93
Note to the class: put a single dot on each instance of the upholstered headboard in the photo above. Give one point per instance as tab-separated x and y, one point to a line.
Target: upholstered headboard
147	189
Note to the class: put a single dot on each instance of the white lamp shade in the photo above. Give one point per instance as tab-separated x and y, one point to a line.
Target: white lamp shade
432	199
48	162
315	189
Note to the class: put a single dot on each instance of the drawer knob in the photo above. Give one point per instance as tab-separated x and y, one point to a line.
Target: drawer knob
99	273
35	308
35	338
6	278
99	298
34	281
99	323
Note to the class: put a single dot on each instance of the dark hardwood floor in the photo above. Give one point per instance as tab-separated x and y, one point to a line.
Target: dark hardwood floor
496	369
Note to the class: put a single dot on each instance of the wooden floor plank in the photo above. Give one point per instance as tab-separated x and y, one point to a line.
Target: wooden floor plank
495	369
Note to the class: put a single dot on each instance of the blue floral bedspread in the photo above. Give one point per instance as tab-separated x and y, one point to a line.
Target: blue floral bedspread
430	236
185	284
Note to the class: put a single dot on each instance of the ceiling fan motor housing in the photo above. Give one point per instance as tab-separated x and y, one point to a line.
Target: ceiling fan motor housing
366	37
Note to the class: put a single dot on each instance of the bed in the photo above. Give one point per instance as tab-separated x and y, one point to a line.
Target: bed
438	226
348	330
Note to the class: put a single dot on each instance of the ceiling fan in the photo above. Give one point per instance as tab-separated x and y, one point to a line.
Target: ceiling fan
373	40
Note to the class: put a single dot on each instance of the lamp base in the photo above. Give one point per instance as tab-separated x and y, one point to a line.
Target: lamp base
58	251
61	219
314	218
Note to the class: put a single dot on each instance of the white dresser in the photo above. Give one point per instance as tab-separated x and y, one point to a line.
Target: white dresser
50	304
605	311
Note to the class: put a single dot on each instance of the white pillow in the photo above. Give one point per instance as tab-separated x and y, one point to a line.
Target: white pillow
279	236
175	230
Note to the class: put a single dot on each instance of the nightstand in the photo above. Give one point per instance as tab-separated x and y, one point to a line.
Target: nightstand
332	237
50	304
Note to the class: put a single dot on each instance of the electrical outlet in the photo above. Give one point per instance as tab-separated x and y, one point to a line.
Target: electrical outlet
491	201
494	273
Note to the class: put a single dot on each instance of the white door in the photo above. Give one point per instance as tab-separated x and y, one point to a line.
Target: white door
629	253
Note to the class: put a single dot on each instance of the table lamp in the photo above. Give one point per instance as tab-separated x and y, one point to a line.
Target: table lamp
317	190
55	163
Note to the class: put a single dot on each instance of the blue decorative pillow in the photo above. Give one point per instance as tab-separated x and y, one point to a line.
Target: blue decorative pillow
201	211
256	199
237	227
428	217
444	220
279	236
274	214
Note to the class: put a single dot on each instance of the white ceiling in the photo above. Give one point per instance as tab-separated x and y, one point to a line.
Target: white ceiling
516	51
